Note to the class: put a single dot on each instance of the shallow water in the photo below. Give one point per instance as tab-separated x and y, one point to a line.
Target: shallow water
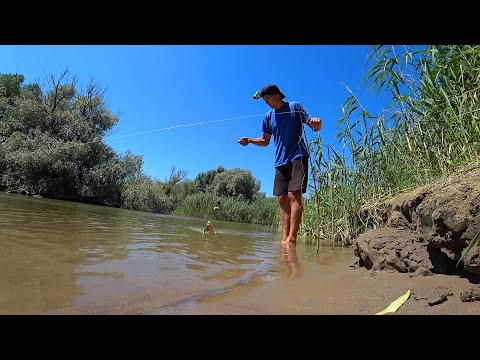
59	257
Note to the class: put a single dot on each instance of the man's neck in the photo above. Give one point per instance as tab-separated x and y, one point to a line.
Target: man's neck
279	105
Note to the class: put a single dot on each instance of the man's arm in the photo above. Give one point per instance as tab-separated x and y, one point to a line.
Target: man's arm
263	140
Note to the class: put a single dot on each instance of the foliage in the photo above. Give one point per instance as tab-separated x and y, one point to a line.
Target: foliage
237	183
50	141
428	130
51	144
144	194
261	211
204	180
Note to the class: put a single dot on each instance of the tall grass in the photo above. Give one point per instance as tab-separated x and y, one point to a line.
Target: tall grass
428	131
259	211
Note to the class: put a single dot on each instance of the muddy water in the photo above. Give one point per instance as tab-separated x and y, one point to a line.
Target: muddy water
59	257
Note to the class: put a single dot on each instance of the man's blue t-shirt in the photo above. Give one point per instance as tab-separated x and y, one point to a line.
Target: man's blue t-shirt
285	126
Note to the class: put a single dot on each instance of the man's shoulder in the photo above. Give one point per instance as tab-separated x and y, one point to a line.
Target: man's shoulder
295	104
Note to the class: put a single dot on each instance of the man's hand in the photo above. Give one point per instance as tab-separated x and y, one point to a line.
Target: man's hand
315	124
244	141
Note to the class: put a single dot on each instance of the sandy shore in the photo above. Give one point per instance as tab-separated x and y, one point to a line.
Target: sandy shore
333	289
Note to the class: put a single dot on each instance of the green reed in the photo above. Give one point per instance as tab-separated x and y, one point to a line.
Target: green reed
428	131
259	211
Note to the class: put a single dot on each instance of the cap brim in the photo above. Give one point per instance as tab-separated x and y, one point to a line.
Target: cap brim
258	95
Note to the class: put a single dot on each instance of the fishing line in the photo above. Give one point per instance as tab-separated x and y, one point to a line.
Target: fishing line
180	126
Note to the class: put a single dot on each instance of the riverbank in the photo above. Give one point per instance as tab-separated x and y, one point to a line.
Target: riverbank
334	289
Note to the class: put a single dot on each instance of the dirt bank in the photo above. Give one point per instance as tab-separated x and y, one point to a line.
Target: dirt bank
426	230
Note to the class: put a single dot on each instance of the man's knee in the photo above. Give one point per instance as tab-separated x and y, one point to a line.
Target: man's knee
295	195
284	199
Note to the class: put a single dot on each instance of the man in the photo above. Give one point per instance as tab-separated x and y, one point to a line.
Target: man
285	122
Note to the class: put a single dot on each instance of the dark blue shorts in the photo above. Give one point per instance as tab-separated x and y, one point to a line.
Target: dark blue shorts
291	177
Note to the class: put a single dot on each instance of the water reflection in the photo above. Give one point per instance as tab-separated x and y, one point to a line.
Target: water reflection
291	265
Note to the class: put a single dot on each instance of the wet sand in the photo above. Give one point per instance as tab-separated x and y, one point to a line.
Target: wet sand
333	289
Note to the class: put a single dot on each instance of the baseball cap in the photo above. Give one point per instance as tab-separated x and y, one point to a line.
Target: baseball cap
268	89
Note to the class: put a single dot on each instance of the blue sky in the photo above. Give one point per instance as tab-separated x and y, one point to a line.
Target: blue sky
152	87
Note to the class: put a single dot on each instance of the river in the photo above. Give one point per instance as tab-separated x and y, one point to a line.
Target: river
60	257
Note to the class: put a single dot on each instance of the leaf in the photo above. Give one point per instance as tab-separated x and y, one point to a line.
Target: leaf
467	249
395	305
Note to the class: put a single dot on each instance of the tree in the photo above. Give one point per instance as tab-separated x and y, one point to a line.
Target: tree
11	85
175	177
51	141
238	183
10	89
205	179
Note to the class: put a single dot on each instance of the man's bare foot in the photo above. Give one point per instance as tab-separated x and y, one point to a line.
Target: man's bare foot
287	241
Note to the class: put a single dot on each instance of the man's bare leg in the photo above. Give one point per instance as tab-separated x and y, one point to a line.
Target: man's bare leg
285	211
296	208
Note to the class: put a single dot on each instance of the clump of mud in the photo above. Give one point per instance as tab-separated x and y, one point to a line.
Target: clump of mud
426	230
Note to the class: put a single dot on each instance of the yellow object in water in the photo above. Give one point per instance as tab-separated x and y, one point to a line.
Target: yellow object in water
395	305
209	228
